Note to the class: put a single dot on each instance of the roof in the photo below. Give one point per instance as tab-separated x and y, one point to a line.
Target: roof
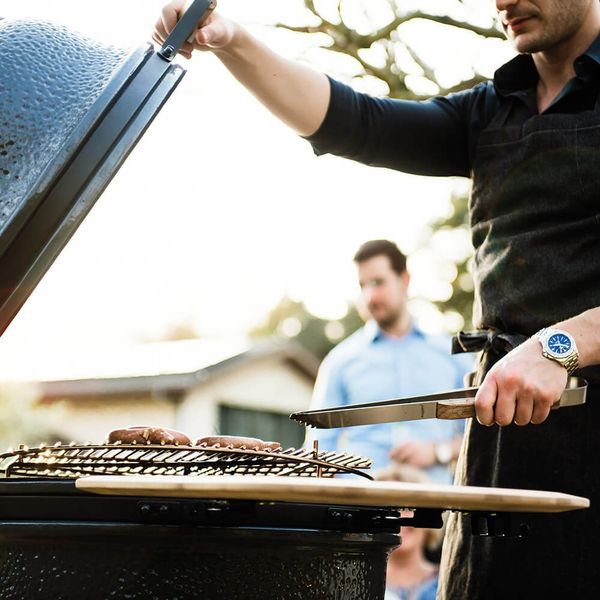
170	368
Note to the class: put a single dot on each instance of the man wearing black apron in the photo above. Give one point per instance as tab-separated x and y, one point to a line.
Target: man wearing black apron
530	141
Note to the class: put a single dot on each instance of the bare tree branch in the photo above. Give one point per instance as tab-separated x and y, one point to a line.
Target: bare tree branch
393	72
488	32
347	41
367	40
427	70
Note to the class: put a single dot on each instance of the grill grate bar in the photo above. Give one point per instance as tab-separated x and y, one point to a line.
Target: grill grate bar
60	461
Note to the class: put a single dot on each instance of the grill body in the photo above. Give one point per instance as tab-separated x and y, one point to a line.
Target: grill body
57	542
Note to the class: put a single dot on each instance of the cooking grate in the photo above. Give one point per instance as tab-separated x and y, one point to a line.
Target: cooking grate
65	461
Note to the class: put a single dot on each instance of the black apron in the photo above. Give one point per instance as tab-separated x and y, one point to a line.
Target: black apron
535	217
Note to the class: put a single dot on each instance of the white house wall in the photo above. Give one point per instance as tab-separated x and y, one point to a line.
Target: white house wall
270	384
89	420
261	385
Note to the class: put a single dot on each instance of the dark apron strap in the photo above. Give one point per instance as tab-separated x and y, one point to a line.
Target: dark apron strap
486	339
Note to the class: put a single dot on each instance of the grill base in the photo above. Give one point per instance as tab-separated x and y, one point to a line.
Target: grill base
59	543
67	561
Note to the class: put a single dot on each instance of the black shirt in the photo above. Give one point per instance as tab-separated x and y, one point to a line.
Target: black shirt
439	136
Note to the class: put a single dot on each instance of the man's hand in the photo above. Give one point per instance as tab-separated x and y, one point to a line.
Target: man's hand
418	454
521	388
215	33
293	92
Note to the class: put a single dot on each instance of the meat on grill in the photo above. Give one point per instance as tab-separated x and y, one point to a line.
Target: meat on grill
149	435
237	442
162	435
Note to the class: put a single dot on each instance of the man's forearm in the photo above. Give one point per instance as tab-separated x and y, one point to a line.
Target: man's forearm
585	329
296	94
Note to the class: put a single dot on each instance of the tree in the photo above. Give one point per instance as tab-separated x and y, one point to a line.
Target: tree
376	35
23	420
461	301
290	319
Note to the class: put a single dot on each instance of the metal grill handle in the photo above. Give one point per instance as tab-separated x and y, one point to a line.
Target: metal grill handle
185	28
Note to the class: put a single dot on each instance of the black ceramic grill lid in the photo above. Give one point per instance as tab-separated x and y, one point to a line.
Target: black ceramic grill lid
71	110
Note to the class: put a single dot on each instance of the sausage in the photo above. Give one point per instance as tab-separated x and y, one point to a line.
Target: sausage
149	435
238	442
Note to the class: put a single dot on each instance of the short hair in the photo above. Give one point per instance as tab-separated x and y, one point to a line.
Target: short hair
382	247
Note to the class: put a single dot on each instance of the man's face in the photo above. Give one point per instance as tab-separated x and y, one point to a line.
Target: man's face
539	25
383	291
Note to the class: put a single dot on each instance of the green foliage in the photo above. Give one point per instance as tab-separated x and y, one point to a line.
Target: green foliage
384	51
461	301
22	420
291	319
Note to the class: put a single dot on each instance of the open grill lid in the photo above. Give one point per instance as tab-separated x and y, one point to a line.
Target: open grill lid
71	111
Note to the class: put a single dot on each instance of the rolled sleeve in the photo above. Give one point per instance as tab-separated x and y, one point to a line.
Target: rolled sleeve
431	137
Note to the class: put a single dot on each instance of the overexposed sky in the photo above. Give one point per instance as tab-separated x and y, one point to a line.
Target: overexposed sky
242	212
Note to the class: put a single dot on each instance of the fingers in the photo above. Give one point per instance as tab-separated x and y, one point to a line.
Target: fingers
165	24
524	410
400	452
169	16
485	401
185	50
520	388
204	36
405	452
211	34
419	454
506	401
509	400
542	408
214	33
210	31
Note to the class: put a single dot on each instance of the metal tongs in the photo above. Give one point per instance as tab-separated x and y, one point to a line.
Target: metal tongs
455	404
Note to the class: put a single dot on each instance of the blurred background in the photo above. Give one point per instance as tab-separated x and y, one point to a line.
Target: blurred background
216	270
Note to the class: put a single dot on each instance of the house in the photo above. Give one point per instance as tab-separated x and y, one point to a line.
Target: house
200	387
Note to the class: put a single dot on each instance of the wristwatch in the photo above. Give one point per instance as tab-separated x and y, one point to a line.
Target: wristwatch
443	453
558	345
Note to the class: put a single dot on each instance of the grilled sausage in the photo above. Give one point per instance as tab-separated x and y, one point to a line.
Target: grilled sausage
238	442
148	435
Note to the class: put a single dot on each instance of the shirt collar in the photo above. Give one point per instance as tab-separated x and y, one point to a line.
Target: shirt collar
520	74
373	331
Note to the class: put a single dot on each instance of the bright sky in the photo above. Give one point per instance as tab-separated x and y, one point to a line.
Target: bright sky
241	214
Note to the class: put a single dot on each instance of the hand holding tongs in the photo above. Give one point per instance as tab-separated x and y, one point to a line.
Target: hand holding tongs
455	404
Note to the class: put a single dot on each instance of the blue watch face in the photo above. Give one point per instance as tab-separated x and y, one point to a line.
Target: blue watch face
559	343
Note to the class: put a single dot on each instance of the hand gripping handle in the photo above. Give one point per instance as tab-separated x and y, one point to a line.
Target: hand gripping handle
187	24
574	394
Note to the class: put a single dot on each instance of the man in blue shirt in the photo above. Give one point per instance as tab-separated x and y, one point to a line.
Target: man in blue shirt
387	358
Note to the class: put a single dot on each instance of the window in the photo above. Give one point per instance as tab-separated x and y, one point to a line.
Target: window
268	426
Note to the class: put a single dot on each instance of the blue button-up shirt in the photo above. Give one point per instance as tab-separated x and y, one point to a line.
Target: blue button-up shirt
369	366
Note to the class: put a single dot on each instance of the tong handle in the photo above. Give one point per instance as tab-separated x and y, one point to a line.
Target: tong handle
455	409
575	393
197	12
